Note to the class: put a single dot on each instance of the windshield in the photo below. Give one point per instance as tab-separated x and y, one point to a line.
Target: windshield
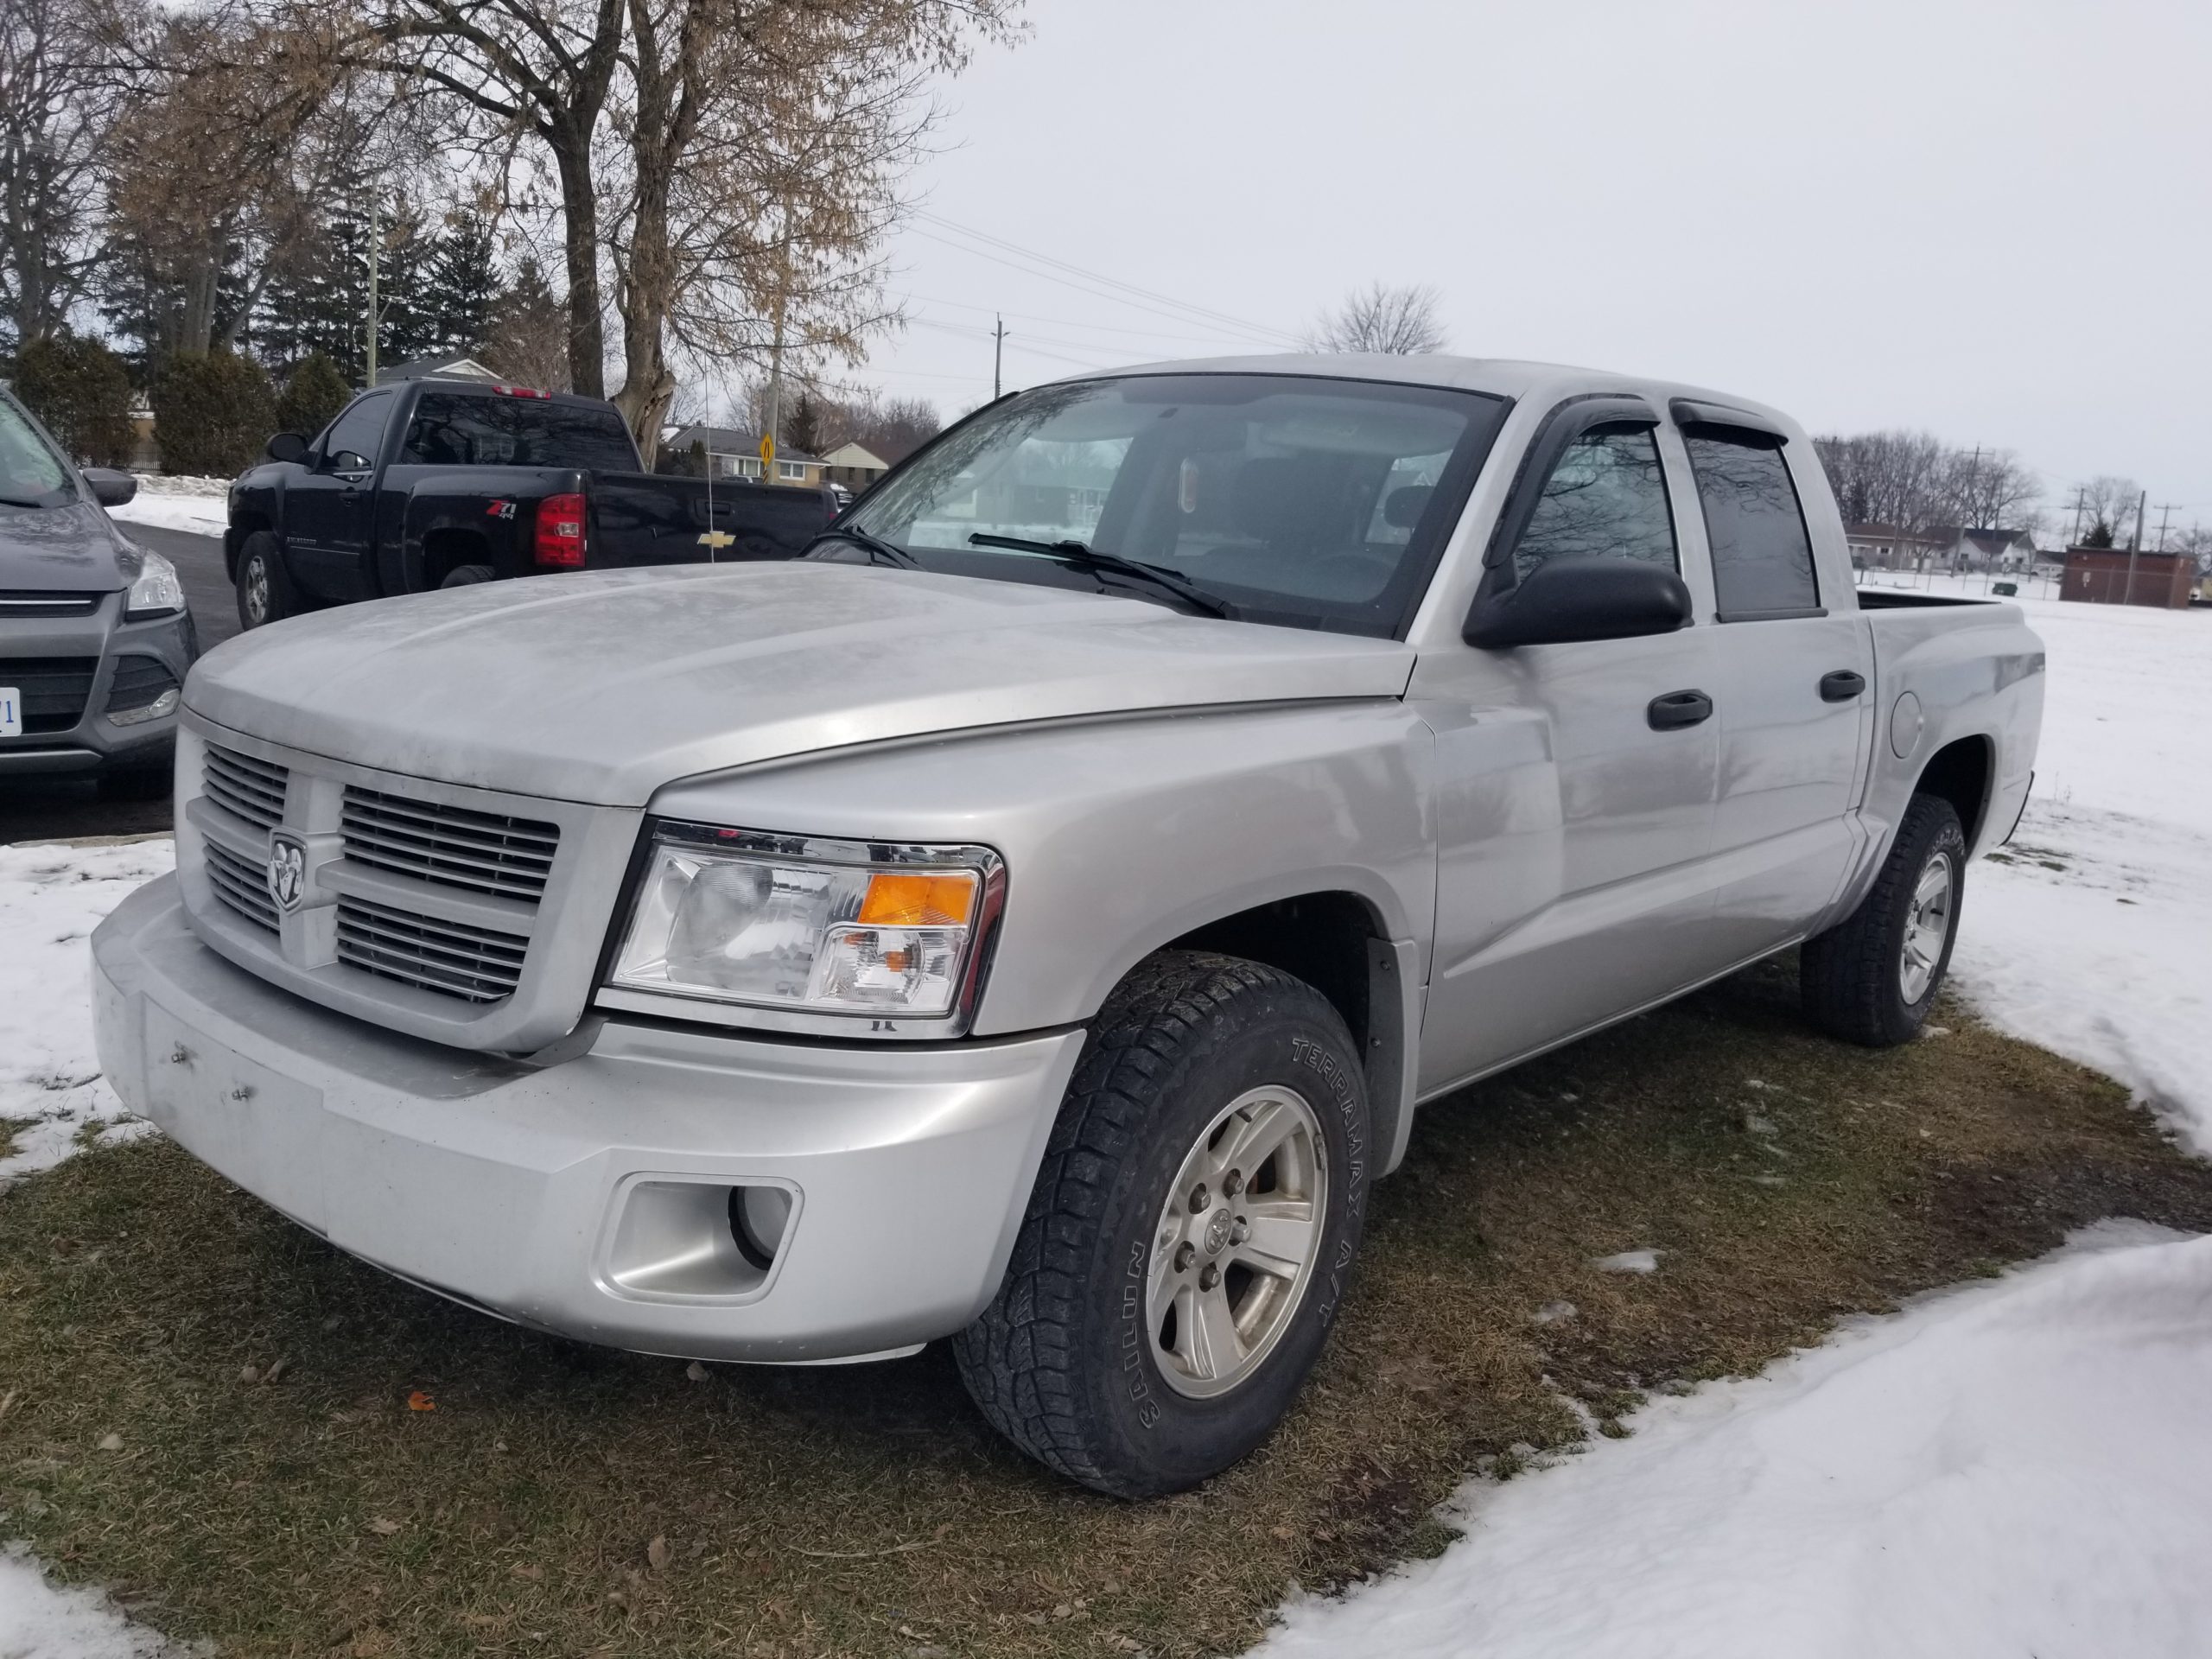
1300	499
30	473
466	429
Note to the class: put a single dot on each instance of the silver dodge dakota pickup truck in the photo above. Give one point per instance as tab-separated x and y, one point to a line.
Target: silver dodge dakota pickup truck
1033	919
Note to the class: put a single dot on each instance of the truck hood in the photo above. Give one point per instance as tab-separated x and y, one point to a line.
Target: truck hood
604	686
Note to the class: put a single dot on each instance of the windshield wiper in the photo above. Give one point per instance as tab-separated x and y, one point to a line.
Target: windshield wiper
878	549
1152	576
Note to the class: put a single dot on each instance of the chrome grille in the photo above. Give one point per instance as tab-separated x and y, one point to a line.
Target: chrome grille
245	787
431	953
239	884
452	846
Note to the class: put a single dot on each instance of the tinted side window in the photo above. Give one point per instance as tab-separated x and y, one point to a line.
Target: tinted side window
360	429
1606	498
457	428
1762	555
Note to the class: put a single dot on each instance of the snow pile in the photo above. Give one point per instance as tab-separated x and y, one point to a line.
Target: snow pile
2015	1469
39	1621
51	898
200	505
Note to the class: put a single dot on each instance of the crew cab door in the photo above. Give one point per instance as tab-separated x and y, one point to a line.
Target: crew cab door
1797	686
1576	781
330	510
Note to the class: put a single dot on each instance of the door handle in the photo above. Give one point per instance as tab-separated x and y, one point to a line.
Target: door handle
1677	709
1841	686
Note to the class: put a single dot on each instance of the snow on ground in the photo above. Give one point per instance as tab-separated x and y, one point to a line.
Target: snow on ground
51	1092
39	1621
2017	1468
2012	1470
201	505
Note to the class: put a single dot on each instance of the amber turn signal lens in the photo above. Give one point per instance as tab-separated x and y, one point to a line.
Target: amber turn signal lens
937	900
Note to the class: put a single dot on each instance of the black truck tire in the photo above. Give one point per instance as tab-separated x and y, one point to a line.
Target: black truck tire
467	575
1104	1355
265	590
1871	978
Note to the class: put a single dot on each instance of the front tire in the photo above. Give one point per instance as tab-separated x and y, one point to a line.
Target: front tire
265	591
1191	1234
1872	977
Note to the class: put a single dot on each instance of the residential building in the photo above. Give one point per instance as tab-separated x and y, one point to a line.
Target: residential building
733	454
1891	547
454	365
853	468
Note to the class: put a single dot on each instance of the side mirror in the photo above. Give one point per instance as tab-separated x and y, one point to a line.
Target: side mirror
342	462
109	487
289	445
1566	600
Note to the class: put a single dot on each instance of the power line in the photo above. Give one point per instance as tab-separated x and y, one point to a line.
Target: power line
1146	299
1000	242
1072	323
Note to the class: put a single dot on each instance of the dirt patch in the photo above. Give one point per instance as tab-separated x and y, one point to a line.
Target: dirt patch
274	1486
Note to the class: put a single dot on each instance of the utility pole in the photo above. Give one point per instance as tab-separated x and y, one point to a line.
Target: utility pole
2080	500
998	355
2165	512
375	252
2135	546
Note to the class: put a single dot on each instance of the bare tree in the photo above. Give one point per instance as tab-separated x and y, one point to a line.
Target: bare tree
1400	320
2110	501
65	80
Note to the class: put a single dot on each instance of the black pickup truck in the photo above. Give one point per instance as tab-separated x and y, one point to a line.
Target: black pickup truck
434	483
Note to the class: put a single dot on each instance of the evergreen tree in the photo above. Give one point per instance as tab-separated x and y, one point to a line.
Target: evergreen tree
461	287
528	339
313	393
81	390
212	413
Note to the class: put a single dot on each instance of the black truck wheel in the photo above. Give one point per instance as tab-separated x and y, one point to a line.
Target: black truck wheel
1872	977
467	575
1191	1234
265	589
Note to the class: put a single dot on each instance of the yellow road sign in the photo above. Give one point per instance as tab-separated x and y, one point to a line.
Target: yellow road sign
767	449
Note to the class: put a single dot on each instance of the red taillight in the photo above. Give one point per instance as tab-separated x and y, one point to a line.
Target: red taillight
521	391
561	532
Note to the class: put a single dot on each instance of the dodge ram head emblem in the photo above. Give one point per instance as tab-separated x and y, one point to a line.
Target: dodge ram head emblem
288	870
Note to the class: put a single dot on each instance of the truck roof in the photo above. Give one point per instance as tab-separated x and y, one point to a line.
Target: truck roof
1540	383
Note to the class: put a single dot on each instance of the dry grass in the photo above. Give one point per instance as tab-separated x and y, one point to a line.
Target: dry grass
867	1512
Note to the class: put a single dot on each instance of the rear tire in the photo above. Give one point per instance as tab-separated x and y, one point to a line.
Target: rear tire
1191	1234
1872	977
265	591
467	575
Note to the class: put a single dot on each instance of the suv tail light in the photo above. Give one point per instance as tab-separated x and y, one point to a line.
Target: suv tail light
561	532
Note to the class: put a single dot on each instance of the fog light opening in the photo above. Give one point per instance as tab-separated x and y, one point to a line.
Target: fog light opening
758	1216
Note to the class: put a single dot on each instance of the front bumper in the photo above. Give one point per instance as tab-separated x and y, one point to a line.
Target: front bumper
92	742
590	1197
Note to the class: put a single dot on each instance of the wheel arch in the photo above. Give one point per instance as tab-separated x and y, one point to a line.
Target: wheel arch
1963	772
1336	941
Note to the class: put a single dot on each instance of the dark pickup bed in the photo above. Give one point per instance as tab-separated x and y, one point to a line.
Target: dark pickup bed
436	483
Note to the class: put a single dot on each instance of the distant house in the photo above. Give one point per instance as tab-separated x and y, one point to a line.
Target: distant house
1992	549
853	468
454	366
732	453
1891	547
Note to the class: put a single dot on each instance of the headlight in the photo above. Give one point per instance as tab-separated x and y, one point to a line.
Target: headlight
156	592
807	926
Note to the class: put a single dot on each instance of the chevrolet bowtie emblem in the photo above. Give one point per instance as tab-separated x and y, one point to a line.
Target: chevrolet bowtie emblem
716	538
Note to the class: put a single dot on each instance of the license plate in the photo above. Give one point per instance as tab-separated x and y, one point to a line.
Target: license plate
11	712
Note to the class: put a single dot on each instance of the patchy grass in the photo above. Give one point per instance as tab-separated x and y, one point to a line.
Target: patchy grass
273	1490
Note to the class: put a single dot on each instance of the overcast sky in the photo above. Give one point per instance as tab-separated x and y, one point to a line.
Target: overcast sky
1987	220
